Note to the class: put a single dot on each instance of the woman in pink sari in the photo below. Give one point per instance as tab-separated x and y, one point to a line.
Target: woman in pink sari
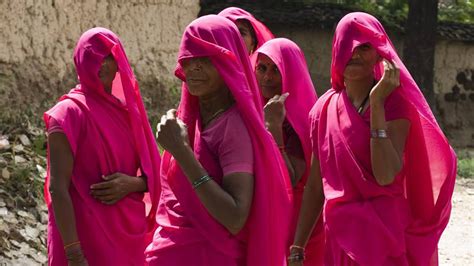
386	169
221	173
254	32
289	95
102	157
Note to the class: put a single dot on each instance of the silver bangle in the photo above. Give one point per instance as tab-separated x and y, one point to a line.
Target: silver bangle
378	133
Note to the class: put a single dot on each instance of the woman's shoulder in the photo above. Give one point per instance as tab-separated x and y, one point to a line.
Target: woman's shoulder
65	109
320	103
231	117
227	127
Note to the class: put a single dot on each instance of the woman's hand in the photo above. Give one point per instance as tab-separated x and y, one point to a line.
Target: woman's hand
275	111
116	186
388	83
172	133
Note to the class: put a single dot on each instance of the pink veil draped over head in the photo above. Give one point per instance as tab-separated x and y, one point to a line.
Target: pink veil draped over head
219	39
103	112
262	33
429	165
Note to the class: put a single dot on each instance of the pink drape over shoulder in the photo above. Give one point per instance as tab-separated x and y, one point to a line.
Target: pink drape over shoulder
398	224
263	239
107	134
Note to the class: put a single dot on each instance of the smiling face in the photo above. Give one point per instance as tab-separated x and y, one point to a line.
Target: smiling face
268	77
202	77
362	63
247	33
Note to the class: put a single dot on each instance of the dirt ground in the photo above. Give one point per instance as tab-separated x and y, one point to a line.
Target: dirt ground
456	246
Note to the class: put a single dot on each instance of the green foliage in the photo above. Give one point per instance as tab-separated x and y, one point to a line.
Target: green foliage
395	11
458	11
465	163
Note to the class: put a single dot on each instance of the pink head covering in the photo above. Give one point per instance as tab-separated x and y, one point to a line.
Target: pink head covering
218	38
262	33
429	167
90	96
296	80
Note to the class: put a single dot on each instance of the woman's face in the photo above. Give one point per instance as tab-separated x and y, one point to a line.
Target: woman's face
268	77
107	72
247	34
362	63
202	77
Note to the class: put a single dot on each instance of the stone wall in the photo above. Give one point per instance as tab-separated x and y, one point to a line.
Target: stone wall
37	39
454	76
454	88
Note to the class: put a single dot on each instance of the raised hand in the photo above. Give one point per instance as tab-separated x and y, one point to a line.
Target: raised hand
275	111
171	132
388	83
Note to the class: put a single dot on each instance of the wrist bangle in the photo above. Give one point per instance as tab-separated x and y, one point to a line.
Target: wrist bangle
378	133
71	244
201	181
297	247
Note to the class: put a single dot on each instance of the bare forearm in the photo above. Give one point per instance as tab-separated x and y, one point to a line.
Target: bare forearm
218	202
277	134
64	215
310	211
139	184
386	162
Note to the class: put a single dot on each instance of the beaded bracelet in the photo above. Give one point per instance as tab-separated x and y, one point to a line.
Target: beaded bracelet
201	181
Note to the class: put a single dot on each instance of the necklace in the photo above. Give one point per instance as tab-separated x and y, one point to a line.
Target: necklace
215	115
362	105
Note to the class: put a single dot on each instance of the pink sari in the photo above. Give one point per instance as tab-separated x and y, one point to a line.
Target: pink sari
369	224
262	33
107	134
296	80
263	240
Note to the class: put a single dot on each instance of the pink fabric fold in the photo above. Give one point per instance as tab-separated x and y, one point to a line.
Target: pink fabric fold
297	82
262	33
107	134
263	239
370	224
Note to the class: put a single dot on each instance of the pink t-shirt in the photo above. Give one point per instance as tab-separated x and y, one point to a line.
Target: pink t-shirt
54	126
228	140
224	147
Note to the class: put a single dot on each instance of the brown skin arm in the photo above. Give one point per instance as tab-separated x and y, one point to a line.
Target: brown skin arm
295	165
274	116
311	207
61	166
229	204
386	153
